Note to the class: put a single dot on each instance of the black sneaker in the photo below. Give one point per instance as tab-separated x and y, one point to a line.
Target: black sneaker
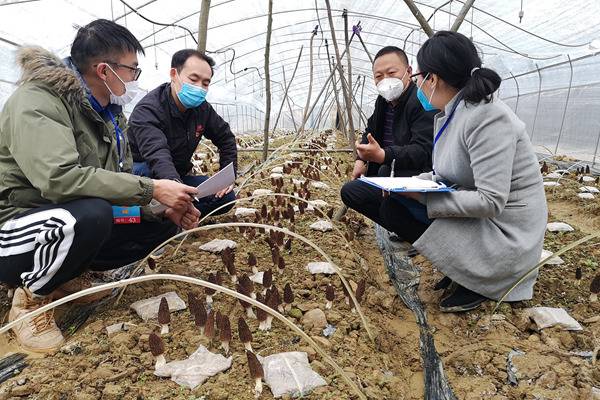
442	283
462	299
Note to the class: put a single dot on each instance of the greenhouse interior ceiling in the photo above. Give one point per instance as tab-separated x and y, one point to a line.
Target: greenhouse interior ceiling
546	54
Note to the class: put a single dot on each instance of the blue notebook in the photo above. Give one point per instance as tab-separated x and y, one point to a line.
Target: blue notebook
410	184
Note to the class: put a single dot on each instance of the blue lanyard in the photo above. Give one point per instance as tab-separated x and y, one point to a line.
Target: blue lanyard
118	132
443	128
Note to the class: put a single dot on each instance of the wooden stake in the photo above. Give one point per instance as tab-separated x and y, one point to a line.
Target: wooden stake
268	82
345	90
203	25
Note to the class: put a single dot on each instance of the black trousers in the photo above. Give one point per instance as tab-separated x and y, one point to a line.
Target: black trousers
396	214
45	247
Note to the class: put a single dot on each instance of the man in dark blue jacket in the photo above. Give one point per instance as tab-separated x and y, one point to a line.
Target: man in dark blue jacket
399	131
166	126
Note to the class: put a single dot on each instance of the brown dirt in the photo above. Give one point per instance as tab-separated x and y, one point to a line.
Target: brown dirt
473	346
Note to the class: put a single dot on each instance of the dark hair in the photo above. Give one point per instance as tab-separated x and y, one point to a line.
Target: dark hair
102	38
392	49
180	57
453	57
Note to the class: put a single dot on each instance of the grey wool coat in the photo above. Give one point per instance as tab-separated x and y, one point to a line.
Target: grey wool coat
489	232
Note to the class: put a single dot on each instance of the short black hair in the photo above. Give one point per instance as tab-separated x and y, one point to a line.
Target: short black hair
102	38
179	58
392	49
454	58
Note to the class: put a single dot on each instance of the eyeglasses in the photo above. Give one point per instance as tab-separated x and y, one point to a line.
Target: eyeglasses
413	77
136	71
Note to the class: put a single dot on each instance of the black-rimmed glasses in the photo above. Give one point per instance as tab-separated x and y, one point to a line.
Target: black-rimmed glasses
136	71
413	77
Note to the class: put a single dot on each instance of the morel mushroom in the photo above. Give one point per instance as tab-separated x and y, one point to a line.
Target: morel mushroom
200	317
229	260
208	291
157	348
225	333
267	280
164	316
245	333
578	276
252	262
218	319
280	265
273	303
247	307
330	296
288	297
587	169
209	328
261	315
151	263
544	169
263	211
193	304
247	286
256	372
595	288
288	245
360	291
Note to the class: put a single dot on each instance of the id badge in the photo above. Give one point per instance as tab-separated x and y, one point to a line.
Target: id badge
126	215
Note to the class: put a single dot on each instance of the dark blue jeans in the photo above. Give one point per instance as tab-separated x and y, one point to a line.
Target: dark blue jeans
401	215
205	204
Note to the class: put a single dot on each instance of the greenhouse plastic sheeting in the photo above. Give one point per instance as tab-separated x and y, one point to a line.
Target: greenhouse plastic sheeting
562	114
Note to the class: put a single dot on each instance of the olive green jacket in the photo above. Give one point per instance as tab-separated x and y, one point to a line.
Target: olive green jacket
54	147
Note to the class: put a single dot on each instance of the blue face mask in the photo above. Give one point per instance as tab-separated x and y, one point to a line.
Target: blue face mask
191	96
423	98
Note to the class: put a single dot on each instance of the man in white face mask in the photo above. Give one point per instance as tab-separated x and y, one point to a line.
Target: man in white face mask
399	130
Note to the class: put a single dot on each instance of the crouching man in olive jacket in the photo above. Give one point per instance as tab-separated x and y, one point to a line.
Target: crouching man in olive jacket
64	164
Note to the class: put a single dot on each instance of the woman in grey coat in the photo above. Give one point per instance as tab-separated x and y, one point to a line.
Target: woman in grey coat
489	232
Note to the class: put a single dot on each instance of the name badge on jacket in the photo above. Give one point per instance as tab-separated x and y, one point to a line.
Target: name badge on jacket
126	215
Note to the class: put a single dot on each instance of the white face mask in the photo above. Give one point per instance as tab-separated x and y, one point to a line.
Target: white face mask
131	91
391	88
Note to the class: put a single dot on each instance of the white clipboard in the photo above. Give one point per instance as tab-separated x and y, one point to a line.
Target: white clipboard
219	181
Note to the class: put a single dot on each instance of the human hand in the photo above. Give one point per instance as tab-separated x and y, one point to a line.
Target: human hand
360	168
371	151
186	219
223	192
173	194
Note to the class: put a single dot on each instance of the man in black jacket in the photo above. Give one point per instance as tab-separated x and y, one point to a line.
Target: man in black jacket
399	130
166	126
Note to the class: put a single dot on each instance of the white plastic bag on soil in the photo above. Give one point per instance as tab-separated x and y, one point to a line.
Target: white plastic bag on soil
241	212
258	277
318	203
545	317
586	196
319	185
148	308
218	245
290	373
589	189
551	183
556	260
559	227
193	371
322	225
320	267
